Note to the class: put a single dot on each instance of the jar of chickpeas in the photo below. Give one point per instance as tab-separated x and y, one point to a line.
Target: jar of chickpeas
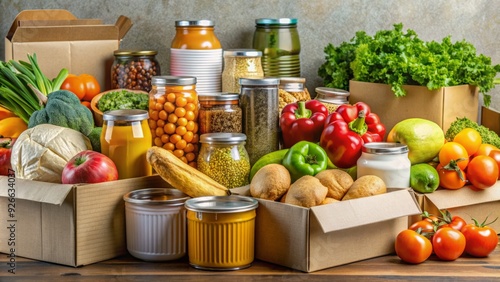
173	116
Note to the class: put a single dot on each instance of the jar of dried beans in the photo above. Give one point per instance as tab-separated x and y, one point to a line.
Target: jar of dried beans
240	63
220	112
173	116
133	69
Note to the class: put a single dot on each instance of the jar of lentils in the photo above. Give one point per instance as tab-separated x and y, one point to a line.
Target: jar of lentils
224	158
332	98
173	116
220	112
133	69
240	63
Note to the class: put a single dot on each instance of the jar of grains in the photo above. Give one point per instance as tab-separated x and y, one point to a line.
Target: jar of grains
291	90
259	103
240	63
224	158
133	69
220	112
332	98
173	116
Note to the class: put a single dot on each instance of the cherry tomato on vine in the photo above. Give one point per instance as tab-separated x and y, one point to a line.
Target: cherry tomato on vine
470	139
495	154
482	172
412	247
424	225
74	84
451	179
480	239
455	222
448	243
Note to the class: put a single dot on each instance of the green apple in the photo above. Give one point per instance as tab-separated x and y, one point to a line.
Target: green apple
423	137
424	178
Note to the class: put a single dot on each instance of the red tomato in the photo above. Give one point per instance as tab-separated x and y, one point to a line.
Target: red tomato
412	247
74	84
92	87
424	225
470	139
451	179
495	154
454	222
453	152
485	149
482	172
480	239
448	243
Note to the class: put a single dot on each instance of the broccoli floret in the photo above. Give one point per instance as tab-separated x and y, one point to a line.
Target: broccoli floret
488	136
64	109
95	138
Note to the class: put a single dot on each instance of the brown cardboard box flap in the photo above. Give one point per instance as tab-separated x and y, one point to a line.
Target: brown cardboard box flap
37	191
445	199
347	214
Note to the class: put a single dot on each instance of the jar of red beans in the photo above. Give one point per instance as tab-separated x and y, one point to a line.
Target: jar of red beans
133	69
173	116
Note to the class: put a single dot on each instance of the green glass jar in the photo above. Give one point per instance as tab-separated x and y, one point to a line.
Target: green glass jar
278	40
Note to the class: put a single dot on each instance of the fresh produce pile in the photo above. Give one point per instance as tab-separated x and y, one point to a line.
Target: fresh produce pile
398	58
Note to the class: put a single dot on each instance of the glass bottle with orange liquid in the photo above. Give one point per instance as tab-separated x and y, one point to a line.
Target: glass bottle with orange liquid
125	139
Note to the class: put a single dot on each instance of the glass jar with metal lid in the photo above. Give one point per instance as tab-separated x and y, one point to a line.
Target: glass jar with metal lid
291	90
125	139
259	103
220	112
221	232
173	116
133	69
156	223
386	160
332	98
240	63
197	34
224	158
278	39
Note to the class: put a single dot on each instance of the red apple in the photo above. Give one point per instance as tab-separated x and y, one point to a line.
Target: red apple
89	167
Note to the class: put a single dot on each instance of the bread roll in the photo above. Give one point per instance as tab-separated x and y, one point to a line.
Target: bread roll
270	182
337	181
364	186
306	191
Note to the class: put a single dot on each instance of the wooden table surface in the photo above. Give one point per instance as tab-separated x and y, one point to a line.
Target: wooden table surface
128	268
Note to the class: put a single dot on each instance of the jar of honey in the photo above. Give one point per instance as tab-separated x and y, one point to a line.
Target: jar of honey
125	139
173	116
195	35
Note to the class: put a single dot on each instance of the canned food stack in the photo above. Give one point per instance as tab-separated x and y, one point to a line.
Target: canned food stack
196	51
278	40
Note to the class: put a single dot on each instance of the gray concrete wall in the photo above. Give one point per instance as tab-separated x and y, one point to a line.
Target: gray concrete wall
320	22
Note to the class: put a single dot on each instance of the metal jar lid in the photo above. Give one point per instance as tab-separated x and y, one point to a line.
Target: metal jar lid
384	148
222	204
173	80
125	115
222	138
279	21
223	96
135	53
292	84
259	81
156	196
242	53
208	23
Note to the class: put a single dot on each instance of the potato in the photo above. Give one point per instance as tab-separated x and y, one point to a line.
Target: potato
337	181
364	186
306	191
270	182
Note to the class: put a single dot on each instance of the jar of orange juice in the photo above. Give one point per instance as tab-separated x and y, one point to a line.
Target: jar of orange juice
173	116
125	139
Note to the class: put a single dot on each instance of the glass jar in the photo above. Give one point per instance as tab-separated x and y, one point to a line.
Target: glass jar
332	98
240	63
259	103
125	139
133	69
386	160
197	34
291	90
220	112
223	158
279	41
173	116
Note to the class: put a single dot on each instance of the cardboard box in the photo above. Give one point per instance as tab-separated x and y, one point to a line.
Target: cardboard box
311	239
68	224
491	119
466	203
442	106
60	40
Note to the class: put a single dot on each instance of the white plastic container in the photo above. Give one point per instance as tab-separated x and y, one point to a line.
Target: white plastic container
386	160
156	224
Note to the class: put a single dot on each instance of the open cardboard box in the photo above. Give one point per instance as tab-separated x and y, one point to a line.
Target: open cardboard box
67	224
466	203
491	119
441	106
311	239
60	40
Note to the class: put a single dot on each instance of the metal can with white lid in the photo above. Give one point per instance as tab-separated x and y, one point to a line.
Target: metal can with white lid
386	160
221	232
156	223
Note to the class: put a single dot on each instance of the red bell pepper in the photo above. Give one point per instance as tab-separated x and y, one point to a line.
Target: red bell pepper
302	121
6	144
346	130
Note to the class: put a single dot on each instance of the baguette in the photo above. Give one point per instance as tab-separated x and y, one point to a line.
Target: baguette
182	176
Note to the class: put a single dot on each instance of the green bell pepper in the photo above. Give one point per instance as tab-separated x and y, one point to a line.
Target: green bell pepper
305	158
